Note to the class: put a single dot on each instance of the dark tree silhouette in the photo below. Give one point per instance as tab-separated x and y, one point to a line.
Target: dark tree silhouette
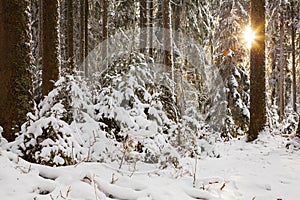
151	23
86	38
49	43
143	25
257	71
167	31
105	30
15	66
70	36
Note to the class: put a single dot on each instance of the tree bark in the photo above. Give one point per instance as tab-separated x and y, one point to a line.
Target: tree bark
49	42
167	33
82	31
281	65
293	57
151	22
105	32
15	66
257	71
86	38
70	37
143	26
178	7
298	11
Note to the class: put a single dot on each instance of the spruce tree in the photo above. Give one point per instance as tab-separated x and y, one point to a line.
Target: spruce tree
15	66
257	71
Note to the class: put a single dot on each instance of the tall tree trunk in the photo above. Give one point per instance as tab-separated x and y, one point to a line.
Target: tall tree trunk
70	36
178	7
298	11
143	25
15	66
257	71
49	41
167	33
86	34
81	35
281	65
105	32
293	57
151	22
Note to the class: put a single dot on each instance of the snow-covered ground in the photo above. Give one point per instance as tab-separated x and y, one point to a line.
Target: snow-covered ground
263	170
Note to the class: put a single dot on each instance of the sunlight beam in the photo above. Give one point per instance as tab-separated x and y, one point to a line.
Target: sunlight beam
248	36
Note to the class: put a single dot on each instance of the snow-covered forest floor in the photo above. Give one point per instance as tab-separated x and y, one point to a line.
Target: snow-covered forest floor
267	169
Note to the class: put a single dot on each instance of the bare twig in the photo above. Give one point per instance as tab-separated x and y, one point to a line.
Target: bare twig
134	169
113	179
224	184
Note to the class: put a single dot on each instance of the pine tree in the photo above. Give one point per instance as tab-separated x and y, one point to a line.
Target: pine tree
232	65
49	45
279	49
257	71
15	66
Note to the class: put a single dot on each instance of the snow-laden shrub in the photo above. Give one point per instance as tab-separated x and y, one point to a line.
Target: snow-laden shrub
127	113
48	141
67	100
48	137
137	108
231	102
291	123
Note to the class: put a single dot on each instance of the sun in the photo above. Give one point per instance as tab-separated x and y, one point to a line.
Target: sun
248	36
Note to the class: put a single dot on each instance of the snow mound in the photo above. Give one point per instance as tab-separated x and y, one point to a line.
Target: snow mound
263	169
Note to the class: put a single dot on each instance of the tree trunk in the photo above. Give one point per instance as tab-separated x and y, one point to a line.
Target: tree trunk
143	26
86	38
15	66
257	71
81	35
49	42
298	11
177	19
293	57
167	33
105	32
70	36
151	21
281	65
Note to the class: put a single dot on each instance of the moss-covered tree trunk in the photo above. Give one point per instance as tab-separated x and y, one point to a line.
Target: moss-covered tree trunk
257	71
49	45
15	66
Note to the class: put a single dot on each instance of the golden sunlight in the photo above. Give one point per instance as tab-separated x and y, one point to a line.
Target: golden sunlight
249	36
